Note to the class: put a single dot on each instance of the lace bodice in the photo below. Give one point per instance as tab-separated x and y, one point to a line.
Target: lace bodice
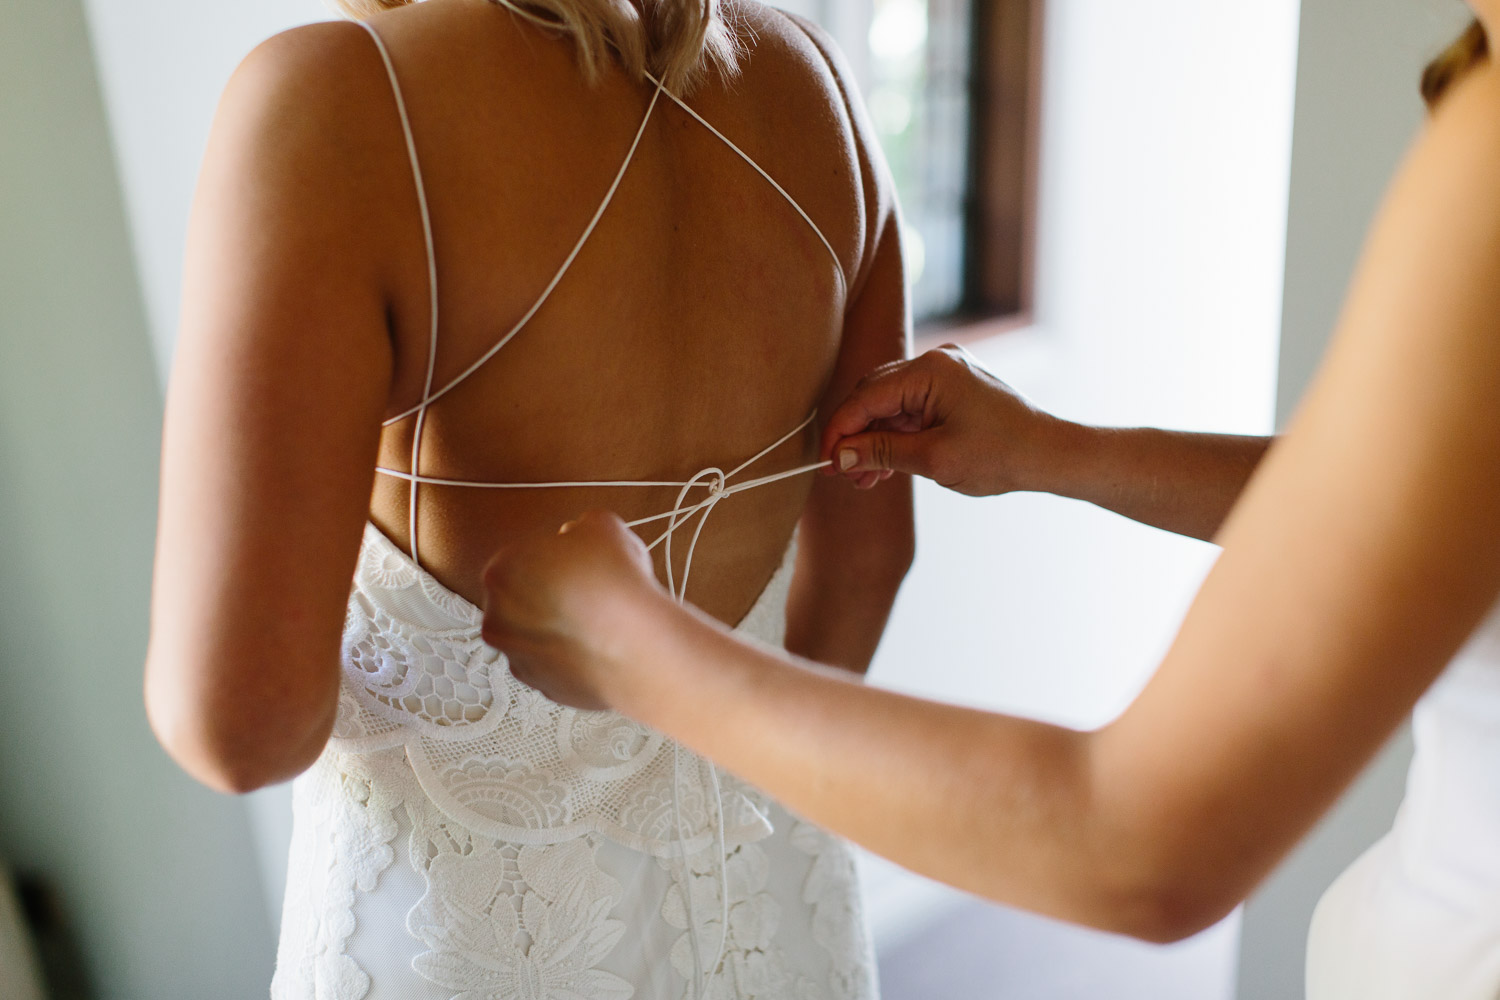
464	837
498	756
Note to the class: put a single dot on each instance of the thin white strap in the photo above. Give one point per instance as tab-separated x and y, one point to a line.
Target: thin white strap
772	446
429	397
475	484
838	265
731	490
714	479
437	481
432	289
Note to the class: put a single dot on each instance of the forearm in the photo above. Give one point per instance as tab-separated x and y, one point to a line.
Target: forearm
854	552
1178	481
994	805
837	623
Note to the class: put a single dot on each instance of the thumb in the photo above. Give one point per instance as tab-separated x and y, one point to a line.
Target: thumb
895	451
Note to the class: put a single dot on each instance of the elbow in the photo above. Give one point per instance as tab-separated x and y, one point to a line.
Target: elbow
223	776
205	760
231	752
1166	894
1158	864
1169	913
205	754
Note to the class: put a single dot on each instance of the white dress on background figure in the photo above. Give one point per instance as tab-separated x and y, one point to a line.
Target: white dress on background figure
1417	917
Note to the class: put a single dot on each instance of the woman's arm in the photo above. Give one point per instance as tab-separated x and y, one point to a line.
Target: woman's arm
855	547
273	414
944	417
1362	555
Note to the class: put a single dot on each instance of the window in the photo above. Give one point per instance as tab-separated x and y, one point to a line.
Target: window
952	90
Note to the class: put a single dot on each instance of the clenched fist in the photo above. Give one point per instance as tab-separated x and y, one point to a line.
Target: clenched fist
556	604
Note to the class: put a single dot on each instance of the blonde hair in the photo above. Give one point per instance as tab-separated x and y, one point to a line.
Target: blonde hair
1469	50
678	41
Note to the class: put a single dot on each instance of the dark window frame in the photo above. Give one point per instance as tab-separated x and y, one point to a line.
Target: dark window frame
1000	217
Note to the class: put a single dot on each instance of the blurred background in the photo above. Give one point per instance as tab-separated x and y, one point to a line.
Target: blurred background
1135	211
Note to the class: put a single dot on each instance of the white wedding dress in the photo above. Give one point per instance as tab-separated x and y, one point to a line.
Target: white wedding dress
1417	917
464	838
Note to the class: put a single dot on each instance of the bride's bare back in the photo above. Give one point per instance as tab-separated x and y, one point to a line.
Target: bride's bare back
700	321
703	319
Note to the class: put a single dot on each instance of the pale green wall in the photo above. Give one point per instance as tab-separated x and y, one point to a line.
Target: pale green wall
157	874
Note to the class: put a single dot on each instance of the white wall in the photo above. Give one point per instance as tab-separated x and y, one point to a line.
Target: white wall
1357	110
151	869
163	64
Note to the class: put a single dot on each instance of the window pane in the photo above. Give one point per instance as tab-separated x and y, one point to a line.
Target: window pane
919	87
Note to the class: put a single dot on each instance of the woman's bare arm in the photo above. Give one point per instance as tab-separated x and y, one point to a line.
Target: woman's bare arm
273	416
944	417
855	547
1363	553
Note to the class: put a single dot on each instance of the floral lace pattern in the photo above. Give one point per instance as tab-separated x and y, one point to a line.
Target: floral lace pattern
511	798
350	815
838	925
507	921
417	674
753	967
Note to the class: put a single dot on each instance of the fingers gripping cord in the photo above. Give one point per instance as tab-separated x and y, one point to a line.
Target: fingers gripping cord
713	479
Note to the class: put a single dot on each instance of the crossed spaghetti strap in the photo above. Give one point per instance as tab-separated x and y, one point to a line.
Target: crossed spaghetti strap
712	478
715	480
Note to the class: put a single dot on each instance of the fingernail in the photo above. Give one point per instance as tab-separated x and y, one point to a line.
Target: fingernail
847	459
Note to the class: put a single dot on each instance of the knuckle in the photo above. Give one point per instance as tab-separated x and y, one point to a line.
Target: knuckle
941	462
882	372
952	356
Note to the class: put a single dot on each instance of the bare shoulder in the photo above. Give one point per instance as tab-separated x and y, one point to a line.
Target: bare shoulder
803	53
300	149
822	89
802	35
310	70
301	109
